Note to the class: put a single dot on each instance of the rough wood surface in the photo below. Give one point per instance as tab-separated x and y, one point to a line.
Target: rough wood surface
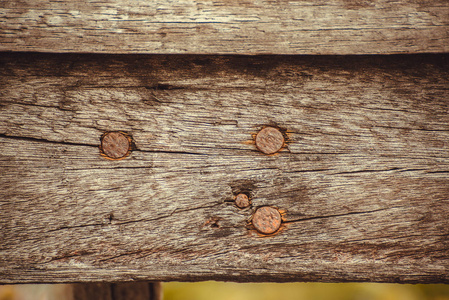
117	291
227	26
362	184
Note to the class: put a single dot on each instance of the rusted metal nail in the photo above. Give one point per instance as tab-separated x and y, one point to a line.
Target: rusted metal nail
269	140
267	220
242	200
115	145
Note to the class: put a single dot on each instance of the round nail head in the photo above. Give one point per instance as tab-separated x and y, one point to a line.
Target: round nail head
242	200
115	145
269	140
267	220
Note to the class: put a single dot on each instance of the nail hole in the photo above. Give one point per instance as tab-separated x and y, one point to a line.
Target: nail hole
111	217
213	222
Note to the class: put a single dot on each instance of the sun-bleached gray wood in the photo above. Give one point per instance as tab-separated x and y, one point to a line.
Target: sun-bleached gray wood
362	184
225	27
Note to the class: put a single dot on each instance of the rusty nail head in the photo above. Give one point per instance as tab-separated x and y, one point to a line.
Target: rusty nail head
267	220
269	140
242	200
115	145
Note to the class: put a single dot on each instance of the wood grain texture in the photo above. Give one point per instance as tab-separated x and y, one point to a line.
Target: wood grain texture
226	27
362	183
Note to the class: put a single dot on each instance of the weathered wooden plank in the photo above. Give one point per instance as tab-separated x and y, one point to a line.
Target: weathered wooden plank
214	27
362	182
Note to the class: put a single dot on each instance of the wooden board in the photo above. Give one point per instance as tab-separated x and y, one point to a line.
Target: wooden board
362	184
226	27
116	291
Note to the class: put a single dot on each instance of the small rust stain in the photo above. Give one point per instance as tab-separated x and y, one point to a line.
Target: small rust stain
267	220
213	222
242	200
115	145
269	140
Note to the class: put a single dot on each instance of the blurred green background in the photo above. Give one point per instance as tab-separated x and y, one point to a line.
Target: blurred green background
306	291
254	291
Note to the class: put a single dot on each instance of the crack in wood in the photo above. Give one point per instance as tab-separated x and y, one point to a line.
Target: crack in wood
41	140
115	223
366	165
339	215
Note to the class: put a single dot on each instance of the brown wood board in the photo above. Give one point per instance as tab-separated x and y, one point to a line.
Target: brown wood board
226	27
116	291
362	181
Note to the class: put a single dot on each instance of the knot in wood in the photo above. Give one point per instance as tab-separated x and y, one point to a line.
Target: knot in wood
242	200
269	140
267	220
115	145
